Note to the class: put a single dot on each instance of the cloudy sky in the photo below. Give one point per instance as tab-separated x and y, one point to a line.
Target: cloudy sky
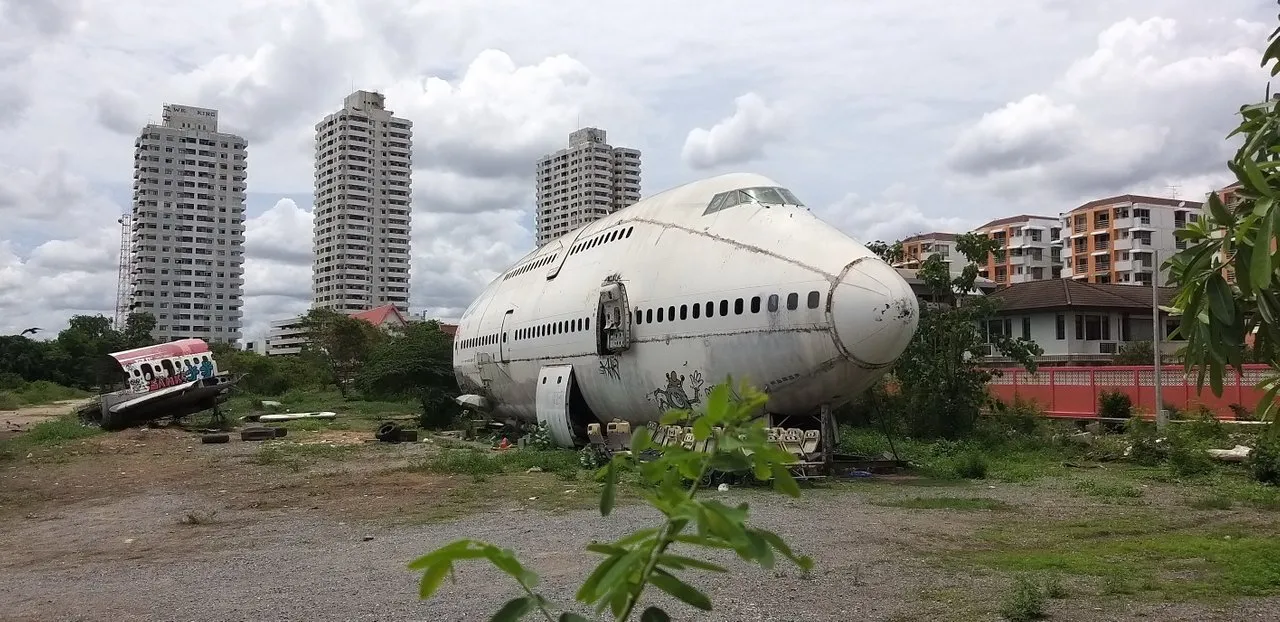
888	117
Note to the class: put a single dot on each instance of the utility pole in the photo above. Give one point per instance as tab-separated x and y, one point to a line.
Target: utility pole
1162	417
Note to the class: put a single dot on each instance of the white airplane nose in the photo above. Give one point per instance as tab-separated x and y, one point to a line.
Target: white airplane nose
874	313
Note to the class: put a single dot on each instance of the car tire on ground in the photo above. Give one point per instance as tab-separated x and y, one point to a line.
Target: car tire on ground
257	434
388	432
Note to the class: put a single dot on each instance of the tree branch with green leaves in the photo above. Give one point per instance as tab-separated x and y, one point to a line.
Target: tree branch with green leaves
1238	238
731	437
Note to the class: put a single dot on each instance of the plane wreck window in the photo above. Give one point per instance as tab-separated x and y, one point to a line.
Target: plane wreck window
724	308
814	299
737	307
793	301
773	302
755	304
684	313
629	231
640	316
766	195
671	313
648	316
588	327
660	309
711	309
697	310
504	339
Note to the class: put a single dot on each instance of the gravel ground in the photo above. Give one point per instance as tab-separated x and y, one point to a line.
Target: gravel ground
271	543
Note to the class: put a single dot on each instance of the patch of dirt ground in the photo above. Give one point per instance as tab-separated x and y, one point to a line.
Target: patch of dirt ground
21	420
152	524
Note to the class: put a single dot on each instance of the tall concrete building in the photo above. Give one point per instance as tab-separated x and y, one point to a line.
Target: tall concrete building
362	205
186	229
1116	239
583	182
1030	249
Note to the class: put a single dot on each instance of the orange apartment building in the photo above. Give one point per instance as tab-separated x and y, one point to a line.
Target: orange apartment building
1116	239
1029	249
917	248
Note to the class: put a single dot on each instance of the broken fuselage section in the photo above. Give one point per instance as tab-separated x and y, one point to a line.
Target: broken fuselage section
172	379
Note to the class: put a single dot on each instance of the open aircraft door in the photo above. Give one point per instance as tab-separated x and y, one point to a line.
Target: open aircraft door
613	326
502	337
552	402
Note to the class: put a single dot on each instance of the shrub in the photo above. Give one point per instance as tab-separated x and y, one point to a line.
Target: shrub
1264	460
1025	603
1187	455
9	401
971	465
1114	405
1204	425
1146	447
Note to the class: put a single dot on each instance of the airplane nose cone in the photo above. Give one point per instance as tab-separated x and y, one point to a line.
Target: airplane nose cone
874	313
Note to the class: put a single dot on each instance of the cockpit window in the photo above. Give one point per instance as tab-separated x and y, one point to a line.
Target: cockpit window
763	196
766	195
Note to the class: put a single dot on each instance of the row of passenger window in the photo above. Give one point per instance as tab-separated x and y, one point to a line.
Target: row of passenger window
483	340
554	328
533	265
659	314
616	234
740	305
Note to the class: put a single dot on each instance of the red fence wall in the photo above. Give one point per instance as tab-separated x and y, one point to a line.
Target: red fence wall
1074	391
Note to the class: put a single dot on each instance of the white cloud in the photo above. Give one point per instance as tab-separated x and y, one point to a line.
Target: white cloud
1149	107
738	138
887	218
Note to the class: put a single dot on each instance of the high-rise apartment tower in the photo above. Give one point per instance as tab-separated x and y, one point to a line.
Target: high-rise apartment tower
583	182
362	206
186	247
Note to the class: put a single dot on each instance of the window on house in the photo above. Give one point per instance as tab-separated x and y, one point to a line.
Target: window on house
1093	327
1026	328
1060	326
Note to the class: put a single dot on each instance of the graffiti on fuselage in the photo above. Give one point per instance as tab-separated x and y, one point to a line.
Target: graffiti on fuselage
675	396
156	374
609	367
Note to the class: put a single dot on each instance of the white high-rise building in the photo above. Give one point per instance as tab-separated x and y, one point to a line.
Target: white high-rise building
583	182
362	205
186	239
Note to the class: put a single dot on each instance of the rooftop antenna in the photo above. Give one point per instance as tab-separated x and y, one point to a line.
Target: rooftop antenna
1173	191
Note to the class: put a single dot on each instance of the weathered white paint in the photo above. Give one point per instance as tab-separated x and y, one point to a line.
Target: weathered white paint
665	253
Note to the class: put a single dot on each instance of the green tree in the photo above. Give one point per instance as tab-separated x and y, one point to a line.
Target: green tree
733	426
1218	314
417	363
138	327
891	253
940	375
344	343
87	341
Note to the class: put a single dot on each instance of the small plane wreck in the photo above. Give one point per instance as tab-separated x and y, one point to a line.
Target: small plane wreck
172	379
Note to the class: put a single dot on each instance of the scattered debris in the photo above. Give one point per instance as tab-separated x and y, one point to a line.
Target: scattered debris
1236	454
367	538
294	416
257	434
723	488
534	470
218	438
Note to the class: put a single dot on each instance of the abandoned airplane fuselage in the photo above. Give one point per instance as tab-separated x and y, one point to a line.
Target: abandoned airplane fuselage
646	309
171	379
